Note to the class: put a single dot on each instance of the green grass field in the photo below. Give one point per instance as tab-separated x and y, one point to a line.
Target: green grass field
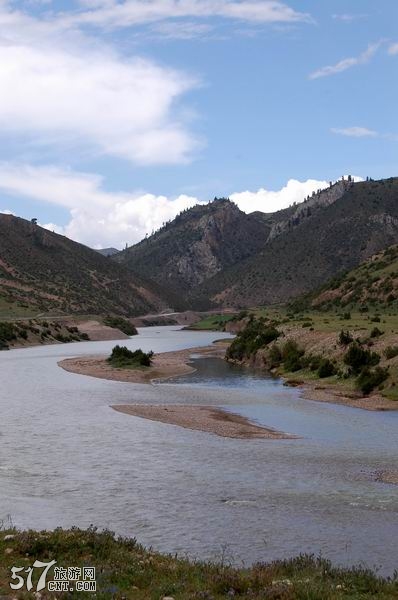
213	322
126	570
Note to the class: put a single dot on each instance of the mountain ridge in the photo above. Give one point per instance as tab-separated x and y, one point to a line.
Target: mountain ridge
276	256
50	272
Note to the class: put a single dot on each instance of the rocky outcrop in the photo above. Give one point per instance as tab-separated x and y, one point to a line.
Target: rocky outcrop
318	200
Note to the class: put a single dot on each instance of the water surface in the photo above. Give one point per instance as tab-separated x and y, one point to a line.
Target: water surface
67	459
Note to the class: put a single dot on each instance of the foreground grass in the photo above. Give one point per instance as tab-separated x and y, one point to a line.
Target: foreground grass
124	569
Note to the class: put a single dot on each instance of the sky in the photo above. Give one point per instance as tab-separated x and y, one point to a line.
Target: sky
115	115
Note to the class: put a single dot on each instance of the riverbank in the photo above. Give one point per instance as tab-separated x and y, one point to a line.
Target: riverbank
337	393
203	418
356	367
61	330
164	365
125	569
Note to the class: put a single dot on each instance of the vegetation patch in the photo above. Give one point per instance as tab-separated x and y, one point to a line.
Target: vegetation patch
256	335
125	569
122	324
122	358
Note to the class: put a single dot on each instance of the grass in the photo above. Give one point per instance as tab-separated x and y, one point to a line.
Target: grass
317	335
126	570
213	322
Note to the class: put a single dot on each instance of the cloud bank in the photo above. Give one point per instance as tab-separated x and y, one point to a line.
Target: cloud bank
100	218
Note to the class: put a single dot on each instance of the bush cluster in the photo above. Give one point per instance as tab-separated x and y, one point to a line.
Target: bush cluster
357	358
345	338
255	335
119	323
123	357
368	379
292	356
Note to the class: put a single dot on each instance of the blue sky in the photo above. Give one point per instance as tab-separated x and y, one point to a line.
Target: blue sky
116	115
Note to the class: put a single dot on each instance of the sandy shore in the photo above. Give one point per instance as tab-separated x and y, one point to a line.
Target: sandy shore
314	390
390	477
164	365
171	364
203	418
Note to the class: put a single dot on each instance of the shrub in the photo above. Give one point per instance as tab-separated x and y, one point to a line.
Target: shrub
375	319
275	355
123	357
292	355
254	336
347	316
345	338
391	352
315	361
369	379
357	358
122	324
326	368
7	332
376	332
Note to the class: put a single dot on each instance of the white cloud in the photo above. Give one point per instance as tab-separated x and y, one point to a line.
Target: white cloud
347	63
358	132
270	201
64	90
349	18
393	49
100	218
109	13
181	30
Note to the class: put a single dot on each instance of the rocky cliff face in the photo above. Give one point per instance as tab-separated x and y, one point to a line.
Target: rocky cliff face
197	245
311	204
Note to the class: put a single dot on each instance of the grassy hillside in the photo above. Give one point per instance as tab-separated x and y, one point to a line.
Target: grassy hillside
124	569
372	285
42	272
353	353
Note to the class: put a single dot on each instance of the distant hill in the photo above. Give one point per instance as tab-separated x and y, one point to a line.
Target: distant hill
373	284
216	255
48	272
108	251
196	245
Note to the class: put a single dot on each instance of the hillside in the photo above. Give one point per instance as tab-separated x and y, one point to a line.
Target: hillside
108	251
41	271
198	244
325	241
216	255
374	284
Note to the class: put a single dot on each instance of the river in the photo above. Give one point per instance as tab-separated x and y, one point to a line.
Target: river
66	459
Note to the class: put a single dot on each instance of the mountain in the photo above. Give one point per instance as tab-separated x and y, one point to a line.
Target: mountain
108	251
329	239
216	255
196	245
44	272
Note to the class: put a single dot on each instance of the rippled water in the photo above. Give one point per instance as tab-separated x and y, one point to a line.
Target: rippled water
67	459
